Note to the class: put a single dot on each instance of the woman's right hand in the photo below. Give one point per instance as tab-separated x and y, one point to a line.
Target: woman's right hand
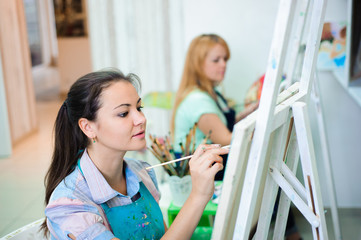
204	165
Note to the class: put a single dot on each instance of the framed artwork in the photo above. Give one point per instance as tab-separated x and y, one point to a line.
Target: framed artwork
70	18
33	29
332	52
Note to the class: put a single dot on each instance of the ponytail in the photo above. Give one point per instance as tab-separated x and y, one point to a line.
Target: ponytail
66	152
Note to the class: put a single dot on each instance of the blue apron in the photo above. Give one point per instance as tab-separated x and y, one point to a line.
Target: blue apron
141	219
230	116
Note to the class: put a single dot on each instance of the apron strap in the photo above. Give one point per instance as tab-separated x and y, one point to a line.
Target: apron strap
138	168
230	115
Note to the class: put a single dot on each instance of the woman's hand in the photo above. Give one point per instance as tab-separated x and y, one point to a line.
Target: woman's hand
248	110
204	165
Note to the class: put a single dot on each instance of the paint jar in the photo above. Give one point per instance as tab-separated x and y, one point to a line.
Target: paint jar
180	189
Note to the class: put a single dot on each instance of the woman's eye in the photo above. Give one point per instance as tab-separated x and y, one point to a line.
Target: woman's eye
140	108
216	60
124	114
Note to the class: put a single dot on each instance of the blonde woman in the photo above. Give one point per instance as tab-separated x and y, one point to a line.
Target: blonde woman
197	100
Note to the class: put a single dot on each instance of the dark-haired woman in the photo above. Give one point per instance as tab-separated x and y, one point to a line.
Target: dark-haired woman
92	192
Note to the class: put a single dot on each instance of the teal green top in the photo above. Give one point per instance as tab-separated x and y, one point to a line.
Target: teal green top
189	111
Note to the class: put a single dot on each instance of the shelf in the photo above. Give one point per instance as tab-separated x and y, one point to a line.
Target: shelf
353	88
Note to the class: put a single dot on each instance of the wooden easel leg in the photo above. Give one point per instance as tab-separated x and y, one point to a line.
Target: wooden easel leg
326	159
280	139
292	159
309	168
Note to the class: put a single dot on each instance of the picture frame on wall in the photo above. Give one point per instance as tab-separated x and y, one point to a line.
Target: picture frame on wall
70	18
332	52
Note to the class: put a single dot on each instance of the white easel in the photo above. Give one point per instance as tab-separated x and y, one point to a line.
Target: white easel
326	159
296	55
275	139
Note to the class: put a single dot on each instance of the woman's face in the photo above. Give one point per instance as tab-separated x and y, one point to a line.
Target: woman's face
215	64
120	123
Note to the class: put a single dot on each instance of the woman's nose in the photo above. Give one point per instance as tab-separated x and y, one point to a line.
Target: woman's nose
223	62
139	118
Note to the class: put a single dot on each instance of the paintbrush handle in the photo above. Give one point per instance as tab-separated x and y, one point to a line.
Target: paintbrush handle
176	160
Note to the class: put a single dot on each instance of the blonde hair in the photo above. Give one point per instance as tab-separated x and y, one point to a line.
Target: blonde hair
193	74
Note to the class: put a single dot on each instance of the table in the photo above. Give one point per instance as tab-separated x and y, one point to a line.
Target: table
205	225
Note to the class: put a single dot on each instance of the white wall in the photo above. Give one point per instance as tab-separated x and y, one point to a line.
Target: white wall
342	122
247	26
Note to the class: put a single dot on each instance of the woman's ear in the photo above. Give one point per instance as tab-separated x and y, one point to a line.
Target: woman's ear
87	127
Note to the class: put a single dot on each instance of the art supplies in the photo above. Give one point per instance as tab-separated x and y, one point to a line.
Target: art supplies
163	150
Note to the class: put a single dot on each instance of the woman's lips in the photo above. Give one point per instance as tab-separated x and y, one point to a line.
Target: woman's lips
139	135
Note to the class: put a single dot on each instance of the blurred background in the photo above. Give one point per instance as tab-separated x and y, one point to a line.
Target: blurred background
45	45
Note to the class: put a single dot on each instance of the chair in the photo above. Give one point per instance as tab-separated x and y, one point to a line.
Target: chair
158	109
28	232
162	100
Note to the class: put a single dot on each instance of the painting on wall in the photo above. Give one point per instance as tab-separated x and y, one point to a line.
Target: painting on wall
33	30
70	18
332	52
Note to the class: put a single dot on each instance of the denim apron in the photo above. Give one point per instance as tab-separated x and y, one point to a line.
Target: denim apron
230	116
141	219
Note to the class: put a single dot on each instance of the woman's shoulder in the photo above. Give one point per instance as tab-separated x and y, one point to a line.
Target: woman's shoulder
135	164
198	94
197	98
69	186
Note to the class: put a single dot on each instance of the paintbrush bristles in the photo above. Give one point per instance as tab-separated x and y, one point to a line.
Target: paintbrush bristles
163	150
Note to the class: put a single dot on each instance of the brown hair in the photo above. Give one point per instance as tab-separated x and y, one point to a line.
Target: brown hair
193	74
83	101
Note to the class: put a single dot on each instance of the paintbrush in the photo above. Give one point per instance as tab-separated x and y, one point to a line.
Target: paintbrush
207	137
177	160
183	151
194	136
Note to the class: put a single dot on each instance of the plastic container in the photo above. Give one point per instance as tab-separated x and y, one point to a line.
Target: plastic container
180	189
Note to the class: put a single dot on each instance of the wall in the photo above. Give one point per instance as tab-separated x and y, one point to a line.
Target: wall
247	26
74	60
342	122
